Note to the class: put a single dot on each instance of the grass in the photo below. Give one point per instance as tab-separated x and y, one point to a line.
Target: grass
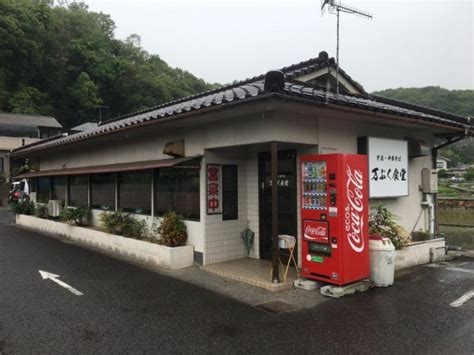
458	236
456	216
464	190
445	191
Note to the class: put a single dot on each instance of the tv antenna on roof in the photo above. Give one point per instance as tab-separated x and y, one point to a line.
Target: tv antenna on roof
336	7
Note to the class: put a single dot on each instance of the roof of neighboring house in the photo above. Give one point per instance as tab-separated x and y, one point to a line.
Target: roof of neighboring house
85	127
443	158
17	119
251	89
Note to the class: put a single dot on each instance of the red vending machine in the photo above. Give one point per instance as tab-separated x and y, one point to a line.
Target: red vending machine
334	212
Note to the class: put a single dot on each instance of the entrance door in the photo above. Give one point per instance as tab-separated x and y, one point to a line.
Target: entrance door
287	216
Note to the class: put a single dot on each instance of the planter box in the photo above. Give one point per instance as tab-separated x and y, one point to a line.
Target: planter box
417	253
138	251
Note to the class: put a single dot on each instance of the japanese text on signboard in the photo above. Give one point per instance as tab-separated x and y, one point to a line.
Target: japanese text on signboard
214	189
388	167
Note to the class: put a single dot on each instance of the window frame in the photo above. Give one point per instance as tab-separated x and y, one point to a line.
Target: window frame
173	183
53	188
38	189
114	192
87	202
146	212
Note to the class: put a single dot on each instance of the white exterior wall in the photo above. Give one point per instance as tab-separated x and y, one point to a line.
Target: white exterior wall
220	240
337	137
9	143
441	163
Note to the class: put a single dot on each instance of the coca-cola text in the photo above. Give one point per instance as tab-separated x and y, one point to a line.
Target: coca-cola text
354	210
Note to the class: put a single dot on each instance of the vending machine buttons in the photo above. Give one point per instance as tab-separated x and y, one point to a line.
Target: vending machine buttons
332	197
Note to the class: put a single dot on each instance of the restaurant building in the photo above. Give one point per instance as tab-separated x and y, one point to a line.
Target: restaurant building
208	156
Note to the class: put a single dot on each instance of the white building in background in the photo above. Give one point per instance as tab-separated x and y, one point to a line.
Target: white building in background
442	162
162	158
17	130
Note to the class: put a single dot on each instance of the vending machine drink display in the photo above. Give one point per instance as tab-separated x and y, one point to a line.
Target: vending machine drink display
334	212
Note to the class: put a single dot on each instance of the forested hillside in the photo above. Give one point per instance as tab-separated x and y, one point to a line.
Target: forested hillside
66	62
460	102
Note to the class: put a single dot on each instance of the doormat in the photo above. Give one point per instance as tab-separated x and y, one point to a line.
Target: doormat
276	307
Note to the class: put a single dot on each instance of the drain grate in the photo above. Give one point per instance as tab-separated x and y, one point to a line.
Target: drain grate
276	307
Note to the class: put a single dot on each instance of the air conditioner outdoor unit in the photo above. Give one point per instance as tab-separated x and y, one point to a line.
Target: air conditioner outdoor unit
55	207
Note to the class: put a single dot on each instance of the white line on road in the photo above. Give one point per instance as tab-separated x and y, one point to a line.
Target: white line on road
463	299
460	270
53	277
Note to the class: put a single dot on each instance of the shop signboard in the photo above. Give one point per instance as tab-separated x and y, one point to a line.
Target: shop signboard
214	188
388	166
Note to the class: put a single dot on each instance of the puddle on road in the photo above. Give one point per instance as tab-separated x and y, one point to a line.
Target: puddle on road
276	307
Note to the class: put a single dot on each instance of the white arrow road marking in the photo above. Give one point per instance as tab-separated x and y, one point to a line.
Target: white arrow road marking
53	277
463	299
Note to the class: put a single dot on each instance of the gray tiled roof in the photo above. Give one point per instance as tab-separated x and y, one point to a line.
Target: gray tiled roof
254	88
85	127
28	120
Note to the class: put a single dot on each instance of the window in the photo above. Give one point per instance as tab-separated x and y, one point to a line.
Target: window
1	166
33	185
230	202
58	188
177	190
78	190
103	191
135	192
44	189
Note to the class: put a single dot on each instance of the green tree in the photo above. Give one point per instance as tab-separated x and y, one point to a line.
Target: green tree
28	99
64	61
85	93
460	102
469	176
442	174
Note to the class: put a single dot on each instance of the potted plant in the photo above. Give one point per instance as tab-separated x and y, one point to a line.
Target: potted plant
382	222
172	230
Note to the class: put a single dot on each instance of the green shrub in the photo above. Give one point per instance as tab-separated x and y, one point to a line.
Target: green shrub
172	230
25	207
41	211
442	174
124	224
382	222
469	175
80	216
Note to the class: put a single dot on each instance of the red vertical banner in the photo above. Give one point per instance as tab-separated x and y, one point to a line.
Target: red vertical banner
214	188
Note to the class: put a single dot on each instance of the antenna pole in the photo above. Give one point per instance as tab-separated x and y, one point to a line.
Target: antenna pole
335	8
337	54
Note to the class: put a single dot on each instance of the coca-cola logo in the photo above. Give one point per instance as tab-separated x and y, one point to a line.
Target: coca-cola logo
315	232
354	210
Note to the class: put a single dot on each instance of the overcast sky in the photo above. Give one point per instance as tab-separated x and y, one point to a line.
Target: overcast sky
407	44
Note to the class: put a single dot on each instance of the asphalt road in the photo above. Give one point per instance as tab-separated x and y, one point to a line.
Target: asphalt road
127	309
